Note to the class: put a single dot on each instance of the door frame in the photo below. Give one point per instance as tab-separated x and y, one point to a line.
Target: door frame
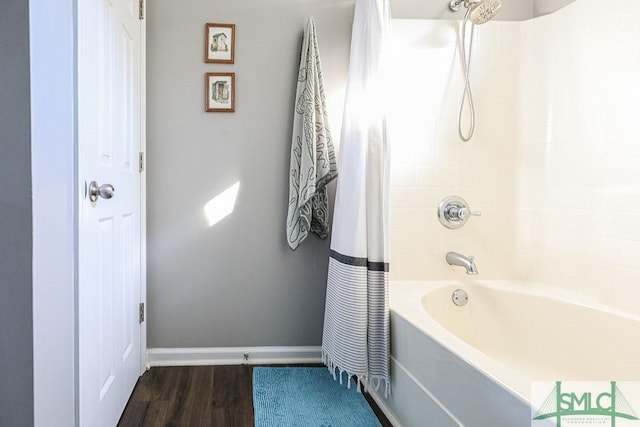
57	192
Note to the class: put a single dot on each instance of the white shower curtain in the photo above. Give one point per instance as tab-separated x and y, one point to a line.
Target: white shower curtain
356	324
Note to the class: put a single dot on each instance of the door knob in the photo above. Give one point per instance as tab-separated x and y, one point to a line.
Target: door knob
106	191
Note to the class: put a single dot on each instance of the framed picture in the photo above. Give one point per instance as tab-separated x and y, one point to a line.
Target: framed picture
220	43
220	92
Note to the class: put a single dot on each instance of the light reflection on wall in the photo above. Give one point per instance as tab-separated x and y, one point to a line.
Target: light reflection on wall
221	205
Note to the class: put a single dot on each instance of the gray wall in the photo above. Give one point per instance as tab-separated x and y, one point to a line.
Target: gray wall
511	10
236	283
543	7
16	350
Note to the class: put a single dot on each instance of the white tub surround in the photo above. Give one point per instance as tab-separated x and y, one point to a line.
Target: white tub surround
553	165
473	365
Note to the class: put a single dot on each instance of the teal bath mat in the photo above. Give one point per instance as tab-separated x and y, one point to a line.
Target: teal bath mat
307	397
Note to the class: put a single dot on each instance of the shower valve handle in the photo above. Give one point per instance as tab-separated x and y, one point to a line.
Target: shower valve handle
453	212
465	213
461	213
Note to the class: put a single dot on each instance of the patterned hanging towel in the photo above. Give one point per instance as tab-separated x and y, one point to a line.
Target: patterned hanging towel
313	160
355	337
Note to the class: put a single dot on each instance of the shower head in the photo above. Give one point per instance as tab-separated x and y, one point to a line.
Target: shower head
480	11
484	11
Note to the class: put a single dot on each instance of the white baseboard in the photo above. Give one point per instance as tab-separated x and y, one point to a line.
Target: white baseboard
232	356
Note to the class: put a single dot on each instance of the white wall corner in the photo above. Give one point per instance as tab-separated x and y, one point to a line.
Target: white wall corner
53	132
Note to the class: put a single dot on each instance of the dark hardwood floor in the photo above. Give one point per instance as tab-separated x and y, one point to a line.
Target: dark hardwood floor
196	396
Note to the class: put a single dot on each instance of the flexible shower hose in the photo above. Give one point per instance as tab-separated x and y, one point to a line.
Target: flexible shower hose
466	67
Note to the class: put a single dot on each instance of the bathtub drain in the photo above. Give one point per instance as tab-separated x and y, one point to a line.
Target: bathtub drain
459	297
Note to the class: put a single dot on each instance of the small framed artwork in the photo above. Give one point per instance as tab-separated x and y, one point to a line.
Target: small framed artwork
220	43
220	92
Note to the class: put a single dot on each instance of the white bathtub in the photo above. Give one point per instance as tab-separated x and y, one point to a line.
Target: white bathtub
473	365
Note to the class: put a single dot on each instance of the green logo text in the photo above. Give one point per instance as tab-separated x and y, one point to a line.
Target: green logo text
610	403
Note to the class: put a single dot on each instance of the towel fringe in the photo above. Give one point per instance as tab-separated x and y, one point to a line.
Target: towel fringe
365	382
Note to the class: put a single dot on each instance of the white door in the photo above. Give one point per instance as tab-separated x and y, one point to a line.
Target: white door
109	139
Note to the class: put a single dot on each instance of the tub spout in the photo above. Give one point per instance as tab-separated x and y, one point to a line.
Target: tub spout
454	258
